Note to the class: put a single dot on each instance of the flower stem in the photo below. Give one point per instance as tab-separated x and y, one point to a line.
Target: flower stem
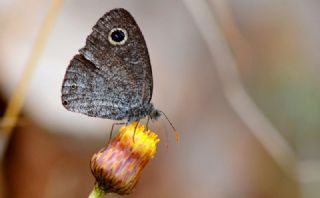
96	192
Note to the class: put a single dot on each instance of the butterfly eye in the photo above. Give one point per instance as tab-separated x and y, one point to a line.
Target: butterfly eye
118	36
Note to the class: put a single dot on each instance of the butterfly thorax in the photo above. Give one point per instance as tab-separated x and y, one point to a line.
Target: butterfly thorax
143	111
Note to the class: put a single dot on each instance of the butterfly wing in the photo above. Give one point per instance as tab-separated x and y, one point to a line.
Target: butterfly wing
108	80
87	90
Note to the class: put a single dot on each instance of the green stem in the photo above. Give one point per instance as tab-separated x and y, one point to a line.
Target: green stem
96	192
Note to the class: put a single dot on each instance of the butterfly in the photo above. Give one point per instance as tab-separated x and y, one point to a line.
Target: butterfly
111	76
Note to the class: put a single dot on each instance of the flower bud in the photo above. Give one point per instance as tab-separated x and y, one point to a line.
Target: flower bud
118	166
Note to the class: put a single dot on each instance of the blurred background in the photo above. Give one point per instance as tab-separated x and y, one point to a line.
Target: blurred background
238	79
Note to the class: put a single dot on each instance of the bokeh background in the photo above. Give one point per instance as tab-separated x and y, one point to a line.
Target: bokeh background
238	78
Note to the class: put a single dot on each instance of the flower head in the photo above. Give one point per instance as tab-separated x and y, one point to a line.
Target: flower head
118	166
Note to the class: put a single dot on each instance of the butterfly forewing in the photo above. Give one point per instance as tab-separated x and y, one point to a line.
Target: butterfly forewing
107	80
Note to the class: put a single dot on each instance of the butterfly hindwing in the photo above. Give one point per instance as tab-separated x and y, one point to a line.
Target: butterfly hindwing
86	90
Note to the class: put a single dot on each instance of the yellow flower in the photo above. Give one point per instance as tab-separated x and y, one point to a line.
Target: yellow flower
118	166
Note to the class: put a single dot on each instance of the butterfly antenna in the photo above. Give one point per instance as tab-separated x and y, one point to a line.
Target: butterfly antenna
174	129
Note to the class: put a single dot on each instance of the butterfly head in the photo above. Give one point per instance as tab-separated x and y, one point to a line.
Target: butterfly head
155	114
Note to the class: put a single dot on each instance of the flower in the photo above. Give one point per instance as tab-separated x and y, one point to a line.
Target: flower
118	166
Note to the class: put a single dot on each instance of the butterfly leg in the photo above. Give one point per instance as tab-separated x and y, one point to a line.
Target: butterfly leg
135	128
147	124
117	123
